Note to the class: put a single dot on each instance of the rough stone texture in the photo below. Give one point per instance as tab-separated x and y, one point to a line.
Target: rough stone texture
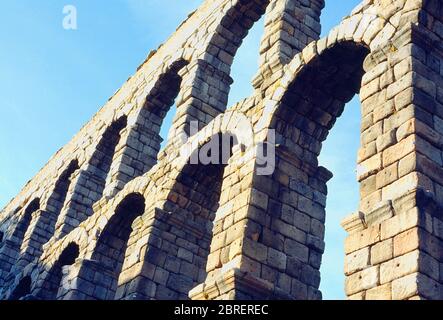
111	216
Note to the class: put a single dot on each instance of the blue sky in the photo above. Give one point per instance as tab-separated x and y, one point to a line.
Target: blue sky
52	81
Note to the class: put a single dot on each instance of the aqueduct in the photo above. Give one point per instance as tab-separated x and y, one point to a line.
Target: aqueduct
111	216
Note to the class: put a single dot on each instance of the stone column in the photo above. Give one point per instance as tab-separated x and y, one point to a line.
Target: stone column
14	256
83	193
169	261
38	233
289	27
86	280
204	95
395	247
135	155
8	255
263	248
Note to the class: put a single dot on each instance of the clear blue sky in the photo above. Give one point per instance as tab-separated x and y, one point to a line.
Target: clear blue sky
52	81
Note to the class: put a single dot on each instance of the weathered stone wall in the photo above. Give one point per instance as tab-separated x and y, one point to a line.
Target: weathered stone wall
394	248
111	216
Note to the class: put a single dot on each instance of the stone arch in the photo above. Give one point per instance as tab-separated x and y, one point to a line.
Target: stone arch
79	236
48	260
10	246
25	221
286	251
100	162
8	224
232	124
283	241
210	70
139	151
187	221
110	248
57	199
234	27
22	290
306	113
317	96
367	26
43	227
196	175
89	183
49	289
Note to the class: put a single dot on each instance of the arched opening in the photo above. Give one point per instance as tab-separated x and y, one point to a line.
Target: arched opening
53	281
12	237
309	110
231	46
343	187
23	225
58	196
101	160
111	246
317	97
91	182
22	290
208	93
194	200
140	151
166	125
246	63
158	113
44	228
343	196
200	181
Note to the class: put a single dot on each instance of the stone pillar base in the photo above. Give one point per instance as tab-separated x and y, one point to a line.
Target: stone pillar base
238	285
87	279
394	251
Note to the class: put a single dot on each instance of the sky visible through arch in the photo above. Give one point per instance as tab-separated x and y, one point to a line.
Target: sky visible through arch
52	82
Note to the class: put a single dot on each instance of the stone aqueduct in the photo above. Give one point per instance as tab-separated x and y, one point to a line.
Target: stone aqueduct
111	216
